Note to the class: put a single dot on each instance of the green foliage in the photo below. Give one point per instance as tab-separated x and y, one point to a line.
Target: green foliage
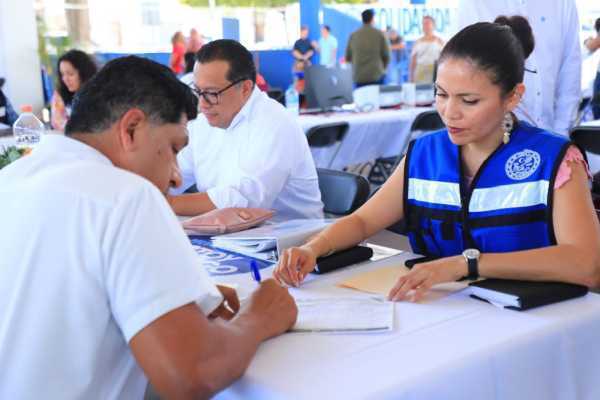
240	3
50	48
261	3
9	155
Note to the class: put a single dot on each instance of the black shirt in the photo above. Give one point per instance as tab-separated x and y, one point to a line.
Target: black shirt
303	46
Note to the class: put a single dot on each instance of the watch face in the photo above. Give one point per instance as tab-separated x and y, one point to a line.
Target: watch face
471	253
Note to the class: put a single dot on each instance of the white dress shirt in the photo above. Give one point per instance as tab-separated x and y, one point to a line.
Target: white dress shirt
261	160
90	255
552	94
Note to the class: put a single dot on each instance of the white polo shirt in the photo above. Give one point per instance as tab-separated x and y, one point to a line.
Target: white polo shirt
261	160
90	254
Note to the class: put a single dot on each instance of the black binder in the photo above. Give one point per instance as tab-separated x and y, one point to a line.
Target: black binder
523	295
340	259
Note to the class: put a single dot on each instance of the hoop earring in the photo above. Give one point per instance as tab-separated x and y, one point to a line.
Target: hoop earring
507	125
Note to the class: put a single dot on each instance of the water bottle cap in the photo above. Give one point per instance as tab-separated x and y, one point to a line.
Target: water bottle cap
26	108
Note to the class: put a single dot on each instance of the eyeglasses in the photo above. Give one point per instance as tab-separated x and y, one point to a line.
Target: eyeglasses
212	98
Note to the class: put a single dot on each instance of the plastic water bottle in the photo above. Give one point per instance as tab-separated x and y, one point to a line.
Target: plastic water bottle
27	129
292	99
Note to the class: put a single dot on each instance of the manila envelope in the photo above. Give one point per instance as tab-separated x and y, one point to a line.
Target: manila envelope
382	280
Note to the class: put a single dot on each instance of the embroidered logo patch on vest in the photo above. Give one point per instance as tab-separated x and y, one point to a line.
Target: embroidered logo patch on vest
522	165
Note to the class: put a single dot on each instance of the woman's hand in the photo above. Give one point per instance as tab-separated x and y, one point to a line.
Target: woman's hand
294	264
414	285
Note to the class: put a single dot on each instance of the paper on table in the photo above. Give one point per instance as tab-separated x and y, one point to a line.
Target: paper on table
344	314
382	280
381	252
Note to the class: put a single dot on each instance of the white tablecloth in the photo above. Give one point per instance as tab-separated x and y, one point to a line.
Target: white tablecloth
382	133
453	348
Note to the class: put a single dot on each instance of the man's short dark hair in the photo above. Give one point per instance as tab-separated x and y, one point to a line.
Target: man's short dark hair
367	16
327	28
126	83
241	63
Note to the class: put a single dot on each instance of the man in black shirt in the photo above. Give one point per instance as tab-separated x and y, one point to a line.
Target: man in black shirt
303	49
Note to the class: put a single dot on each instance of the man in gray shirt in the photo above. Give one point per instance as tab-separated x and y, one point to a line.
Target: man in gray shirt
369	52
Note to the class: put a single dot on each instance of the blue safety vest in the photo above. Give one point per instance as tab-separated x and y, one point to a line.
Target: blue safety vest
508	206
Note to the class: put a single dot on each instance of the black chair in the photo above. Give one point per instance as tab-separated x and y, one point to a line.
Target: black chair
588	138
276	94
425	122
326	135
342	192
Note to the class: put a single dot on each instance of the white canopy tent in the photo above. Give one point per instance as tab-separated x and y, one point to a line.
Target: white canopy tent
19	60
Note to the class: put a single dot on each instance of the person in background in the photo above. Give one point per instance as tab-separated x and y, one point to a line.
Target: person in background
261	82
327	47
194	44
425	53
368	51
75	67
177	60
397	48
592	44
553	70
127	300
397	45
488	196
239	150
195	41
188	73
8	116
303	49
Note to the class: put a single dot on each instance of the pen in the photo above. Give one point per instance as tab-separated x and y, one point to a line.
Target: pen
255	271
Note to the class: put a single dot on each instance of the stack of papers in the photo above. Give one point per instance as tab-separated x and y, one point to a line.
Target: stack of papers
344	314
268	241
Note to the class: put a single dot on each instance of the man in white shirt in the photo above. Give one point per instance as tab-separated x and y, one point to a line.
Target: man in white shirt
553	70
100	286
327	47
245	149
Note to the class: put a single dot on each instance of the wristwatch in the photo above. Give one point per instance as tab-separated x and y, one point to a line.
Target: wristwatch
472	258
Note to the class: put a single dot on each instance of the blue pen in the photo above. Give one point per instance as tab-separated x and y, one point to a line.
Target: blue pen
255	271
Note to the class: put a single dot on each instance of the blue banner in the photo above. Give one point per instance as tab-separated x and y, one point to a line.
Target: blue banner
223	262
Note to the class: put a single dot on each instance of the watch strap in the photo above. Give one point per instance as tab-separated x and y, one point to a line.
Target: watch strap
473	266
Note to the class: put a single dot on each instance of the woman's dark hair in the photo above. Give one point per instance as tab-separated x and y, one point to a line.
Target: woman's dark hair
522	30
190	60
130	82
241	63
493	48
85	66
597	25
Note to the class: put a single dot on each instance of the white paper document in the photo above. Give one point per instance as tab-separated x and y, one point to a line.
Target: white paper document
344	314
381	252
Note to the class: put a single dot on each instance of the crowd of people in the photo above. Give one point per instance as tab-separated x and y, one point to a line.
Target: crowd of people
497	193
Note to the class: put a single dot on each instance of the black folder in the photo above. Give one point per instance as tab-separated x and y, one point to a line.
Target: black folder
353	255
523	295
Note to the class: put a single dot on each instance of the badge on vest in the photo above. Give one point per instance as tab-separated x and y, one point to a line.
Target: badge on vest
522	165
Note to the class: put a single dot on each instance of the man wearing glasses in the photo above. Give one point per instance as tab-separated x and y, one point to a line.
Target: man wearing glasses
245	149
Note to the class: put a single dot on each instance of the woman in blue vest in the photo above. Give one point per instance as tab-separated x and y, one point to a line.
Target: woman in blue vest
489	196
